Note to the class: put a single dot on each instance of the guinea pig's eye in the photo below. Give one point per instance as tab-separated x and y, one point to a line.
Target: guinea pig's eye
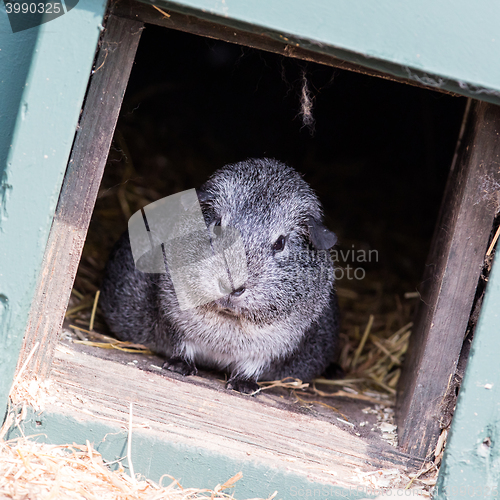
279	244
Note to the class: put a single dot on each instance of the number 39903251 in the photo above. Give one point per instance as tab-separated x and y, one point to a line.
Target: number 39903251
33	8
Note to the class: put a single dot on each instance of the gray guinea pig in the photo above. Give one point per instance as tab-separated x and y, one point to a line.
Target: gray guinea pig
281	322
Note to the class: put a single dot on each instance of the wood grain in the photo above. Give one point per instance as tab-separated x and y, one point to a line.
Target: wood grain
470	204
218	420
79	190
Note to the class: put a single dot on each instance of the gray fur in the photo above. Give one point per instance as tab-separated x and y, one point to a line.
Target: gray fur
284	323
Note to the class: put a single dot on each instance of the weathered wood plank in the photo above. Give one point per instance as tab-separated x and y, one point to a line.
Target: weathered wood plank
79	190
471	202
219	421
133	9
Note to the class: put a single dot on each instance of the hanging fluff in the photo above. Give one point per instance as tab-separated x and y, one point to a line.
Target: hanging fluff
306	104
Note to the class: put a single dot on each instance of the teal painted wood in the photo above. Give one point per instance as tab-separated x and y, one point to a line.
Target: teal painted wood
154	455
44	73
451	44
471	466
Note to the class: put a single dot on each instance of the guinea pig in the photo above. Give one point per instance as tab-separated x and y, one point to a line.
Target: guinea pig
277	318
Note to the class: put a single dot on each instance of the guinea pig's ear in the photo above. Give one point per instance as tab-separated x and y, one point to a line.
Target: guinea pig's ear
321	237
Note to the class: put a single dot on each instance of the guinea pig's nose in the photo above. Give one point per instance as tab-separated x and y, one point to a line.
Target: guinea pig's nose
239	291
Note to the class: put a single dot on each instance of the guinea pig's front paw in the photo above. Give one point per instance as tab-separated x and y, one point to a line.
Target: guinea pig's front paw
242	385
180	365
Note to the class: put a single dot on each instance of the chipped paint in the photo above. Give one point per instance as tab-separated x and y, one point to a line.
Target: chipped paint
5	191
4	318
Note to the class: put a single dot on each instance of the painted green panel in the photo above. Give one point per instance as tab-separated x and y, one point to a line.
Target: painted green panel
471	466
44	73
153	455
457	40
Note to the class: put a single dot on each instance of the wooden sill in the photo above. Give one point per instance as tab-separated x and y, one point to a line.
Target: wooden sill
200	412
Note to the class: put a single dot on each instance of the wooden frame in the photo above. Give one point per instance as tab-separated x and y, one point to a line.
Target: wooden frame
451	276
464	205
133	9
79	191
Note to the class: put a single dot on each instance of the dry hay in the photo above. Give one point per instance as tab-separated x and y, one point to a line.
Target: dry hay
31	470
